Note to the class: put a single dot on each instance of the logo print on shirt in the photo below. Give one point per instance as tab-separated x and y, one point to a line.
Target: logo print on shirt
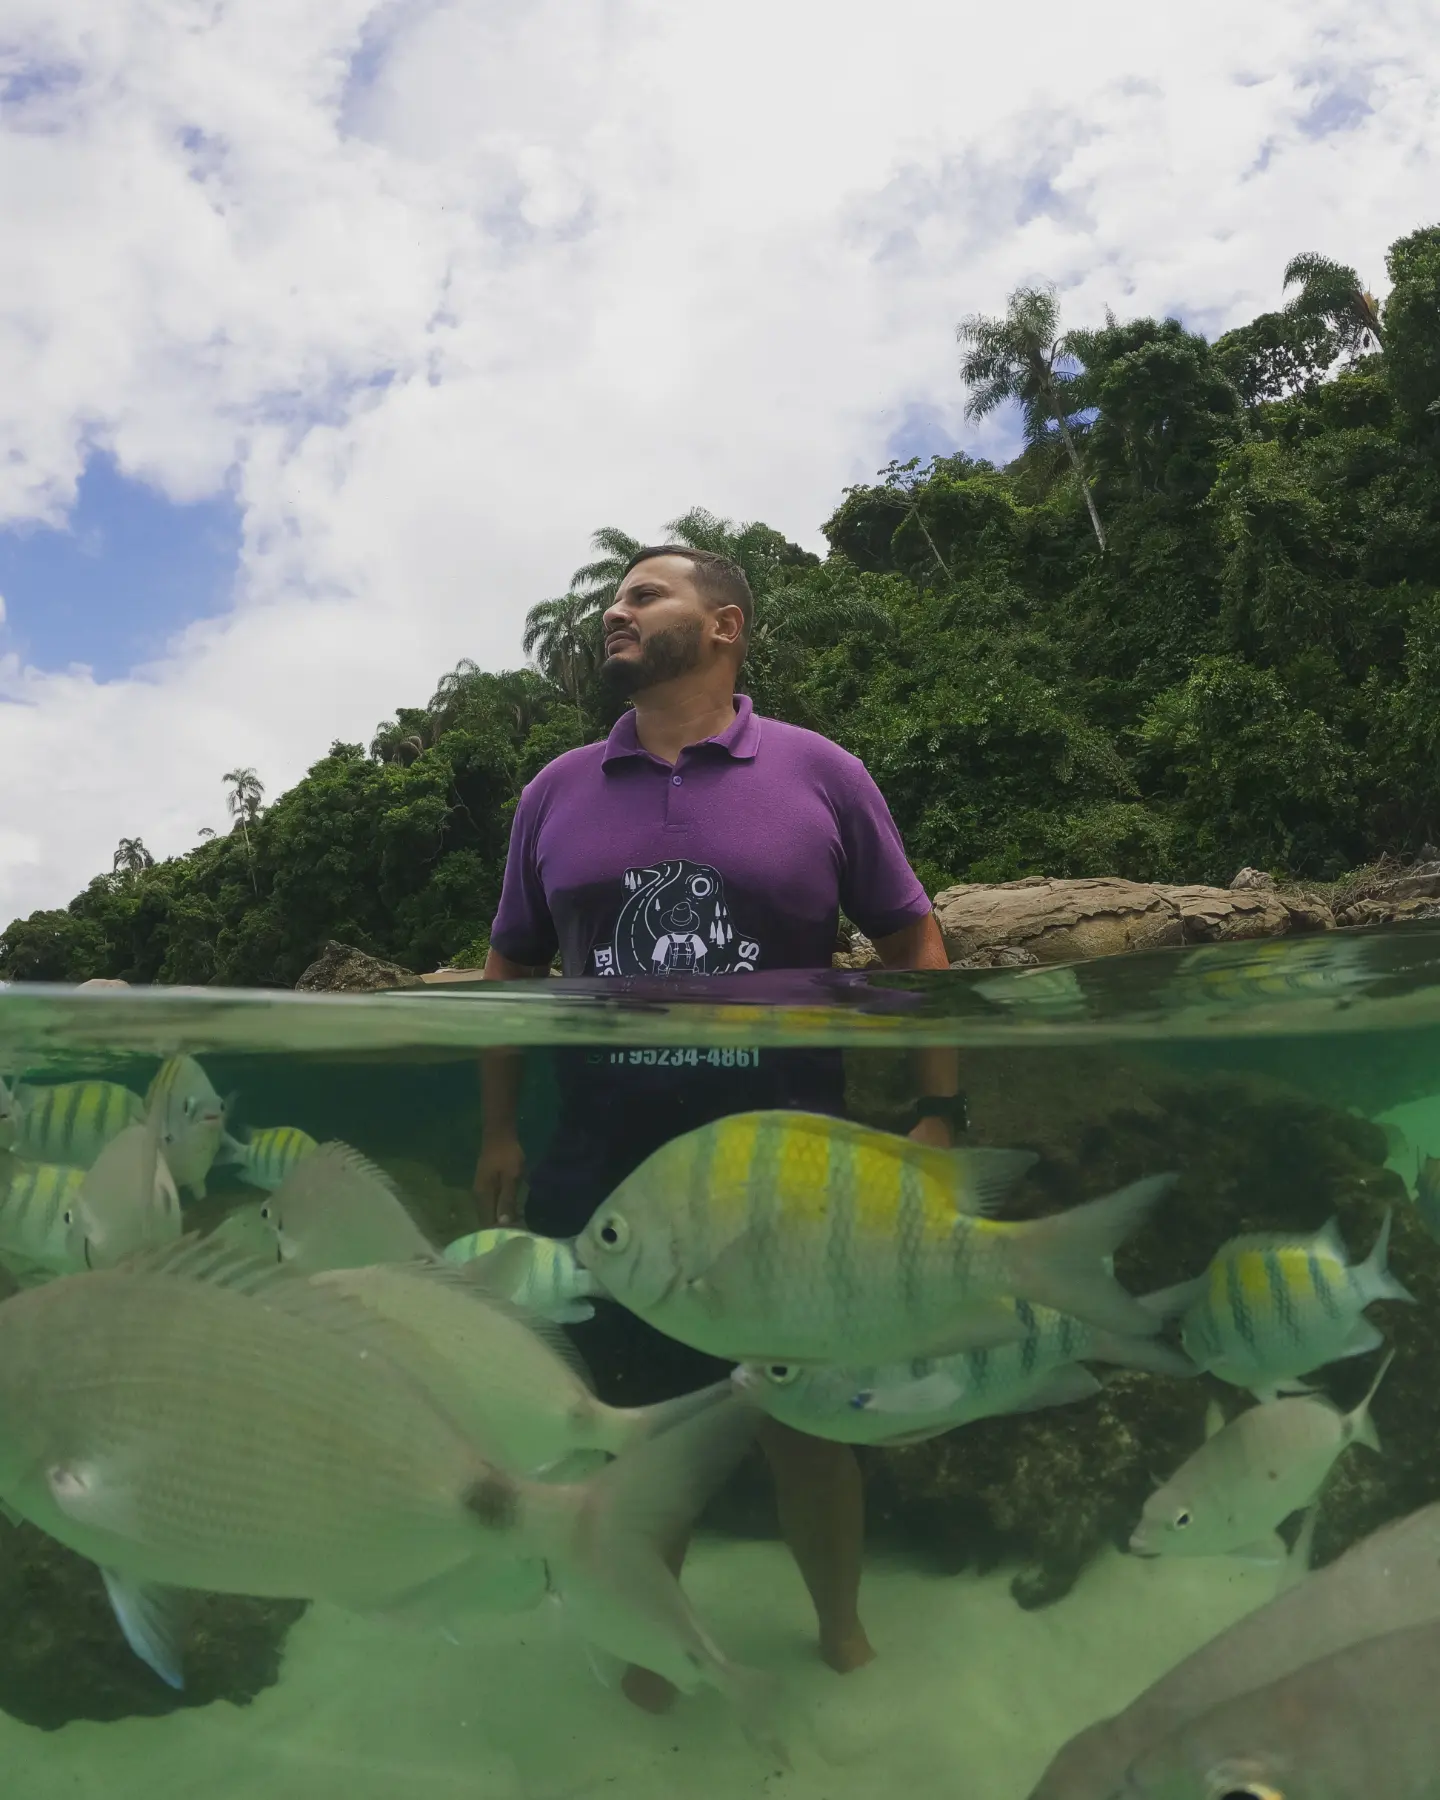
675	921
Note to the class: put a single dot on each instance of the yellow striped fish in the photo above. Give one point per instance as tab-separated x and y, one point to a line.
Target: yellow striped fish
905	1403
1270	1309
35	1219
773	1236
72	1123
192	1121
539	1274
267	1156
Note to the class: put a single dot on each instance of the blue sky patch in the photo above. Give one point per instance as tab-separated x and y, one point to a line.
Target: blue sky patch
129	571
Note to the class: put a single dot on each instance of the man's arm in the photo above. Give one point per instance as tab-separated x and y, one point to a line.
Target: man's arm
501	1165
919	945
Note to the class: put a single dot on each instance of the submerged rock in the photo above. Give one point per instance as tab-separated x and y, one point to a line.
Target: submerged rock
342	969
62	1657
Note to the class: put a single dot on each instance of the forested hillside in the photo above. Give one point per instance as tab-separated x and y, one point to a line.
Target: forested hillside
1195	625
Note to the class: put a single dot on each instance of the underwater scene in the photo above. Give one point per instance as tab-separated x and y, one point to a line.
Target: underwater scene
755	1446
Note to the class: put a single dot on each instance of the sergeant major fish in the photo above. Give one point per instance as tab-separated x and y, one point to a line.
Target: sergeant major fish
1270	1308
266	1157
169	1423
789	1236
192	1120
1250	1476
35	1241
908	1402
72	1122
539	1274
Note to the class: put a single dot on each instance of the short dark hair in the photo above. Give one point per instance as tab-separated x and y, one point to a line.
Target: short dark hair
720	580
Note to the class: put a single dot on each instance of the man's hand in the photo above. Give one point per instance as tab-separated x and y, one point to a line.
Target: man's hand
498	1174
934	1132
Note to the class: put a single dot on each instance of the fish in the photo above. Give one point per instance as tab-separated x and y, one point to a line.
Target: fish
1427	1195
547	1279
790	1236
512	1382
126	1202
904	1403
1386	1582
34	1224
1271	1308
192	1422
192	1118
268	1155
1362	1720
247	1230
72	1122
336	1210
1321	967
1272	1460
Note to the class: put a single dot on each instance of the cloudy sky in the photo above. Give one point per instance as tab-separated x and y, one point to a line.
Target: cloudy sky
329	330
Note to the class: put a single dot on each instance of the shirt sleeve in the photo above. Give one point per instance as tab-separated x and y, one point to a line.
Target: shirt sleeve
878	888
523	929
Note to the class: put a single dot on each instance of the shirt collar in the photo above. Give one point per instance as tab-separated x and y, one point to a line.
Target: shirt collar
739	740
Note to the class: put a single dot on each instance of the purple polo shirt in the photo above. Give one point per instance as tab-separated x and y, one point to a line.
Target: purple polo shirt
737	858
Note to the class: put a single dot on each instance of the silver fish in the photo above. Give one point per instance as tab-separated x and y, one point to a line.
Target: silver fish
126	1202
1385	1583
513	1385
1360	1721
1251	1475
192	1424
336	1210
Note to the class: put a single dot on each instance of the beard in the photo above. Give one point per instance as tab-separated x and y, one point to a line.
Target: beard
662	658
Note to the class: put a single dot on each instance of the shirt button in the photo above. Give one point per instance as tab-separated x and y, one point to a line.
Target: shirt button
676	780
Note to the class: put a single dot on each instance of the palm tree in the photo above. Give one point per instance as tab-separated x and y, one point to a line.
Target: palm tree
246	793
563	636
599	580
1332	292
131	858
1023	357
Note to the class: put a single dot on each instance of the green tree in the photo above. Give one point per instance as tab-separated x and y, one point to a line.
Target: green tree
1332	292
243	802
1023	357
1412	325
563	635
599	580
131	857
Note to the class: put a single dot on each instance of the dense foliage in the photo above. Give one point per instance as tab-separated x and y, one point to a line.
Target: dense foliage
1196	624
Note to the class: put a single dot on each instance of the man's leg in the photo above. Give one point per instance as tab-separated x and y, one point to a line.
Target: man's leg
821	1498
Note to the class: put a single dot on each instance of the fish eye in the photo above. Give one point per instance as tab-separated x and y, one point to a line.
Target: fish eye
1247	1790
67	1219
1181	1519
613	1232
781	1374
265	1214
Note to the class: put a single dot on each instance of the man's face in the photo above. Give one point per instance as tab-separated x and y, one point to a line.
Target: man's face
659	627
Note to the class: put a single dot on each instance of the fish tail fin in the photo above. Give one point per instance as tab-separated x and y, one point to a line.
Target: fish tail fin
1373	1276
1361	1425
1146	1353
607	1541
630	1425
1060	1261
1170	1302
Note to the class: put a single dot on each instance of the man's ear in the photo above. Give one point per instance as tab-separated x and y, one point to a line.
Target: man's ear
729	624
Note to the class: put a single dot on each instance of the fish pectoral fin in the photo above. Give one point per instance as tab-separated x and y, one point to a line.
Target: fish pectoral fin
1268	1551
574	1313
154	1621
930	1393
88	1493
607	1669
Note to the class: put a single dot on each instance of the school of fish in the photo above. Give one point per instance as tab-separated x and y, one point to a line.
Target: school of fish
434	1449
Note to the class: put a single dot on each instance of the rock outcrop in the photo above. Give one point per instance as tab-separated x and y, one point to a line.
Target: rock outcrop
1070	921
342	969
1392	896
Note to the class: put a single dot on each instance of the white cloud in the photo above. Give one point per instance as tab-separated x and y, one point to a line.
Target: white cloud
441	287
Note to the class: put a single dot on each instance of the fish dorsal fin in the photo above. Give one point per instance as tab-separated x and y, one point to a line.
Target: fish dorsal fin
458	1278
987	1176
336	1155
205	1260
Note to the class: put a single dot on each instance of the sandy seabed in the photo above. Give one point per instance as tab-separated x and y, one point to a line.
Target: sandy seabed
970	1696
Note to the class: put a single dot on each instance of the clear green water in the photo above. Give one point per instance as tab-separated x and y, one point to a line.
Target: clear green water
1285	1083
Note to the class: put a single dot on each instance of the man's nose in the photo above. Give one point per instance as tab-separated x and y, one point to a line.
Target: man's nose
616	618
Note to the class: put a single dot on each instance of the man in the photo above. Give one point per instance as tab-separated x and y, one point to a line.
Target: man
698	839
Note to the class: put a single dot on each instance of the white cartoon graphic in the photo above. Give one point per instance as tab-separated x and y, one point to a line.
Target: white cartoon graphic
674	921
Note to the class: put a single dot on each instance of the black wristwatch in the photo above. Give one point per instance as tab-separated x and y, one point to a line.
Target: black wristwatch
949	1107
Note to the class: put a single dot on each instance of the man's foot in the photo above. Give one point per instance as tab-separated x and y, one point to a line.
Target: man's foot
652	1693
847	1650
